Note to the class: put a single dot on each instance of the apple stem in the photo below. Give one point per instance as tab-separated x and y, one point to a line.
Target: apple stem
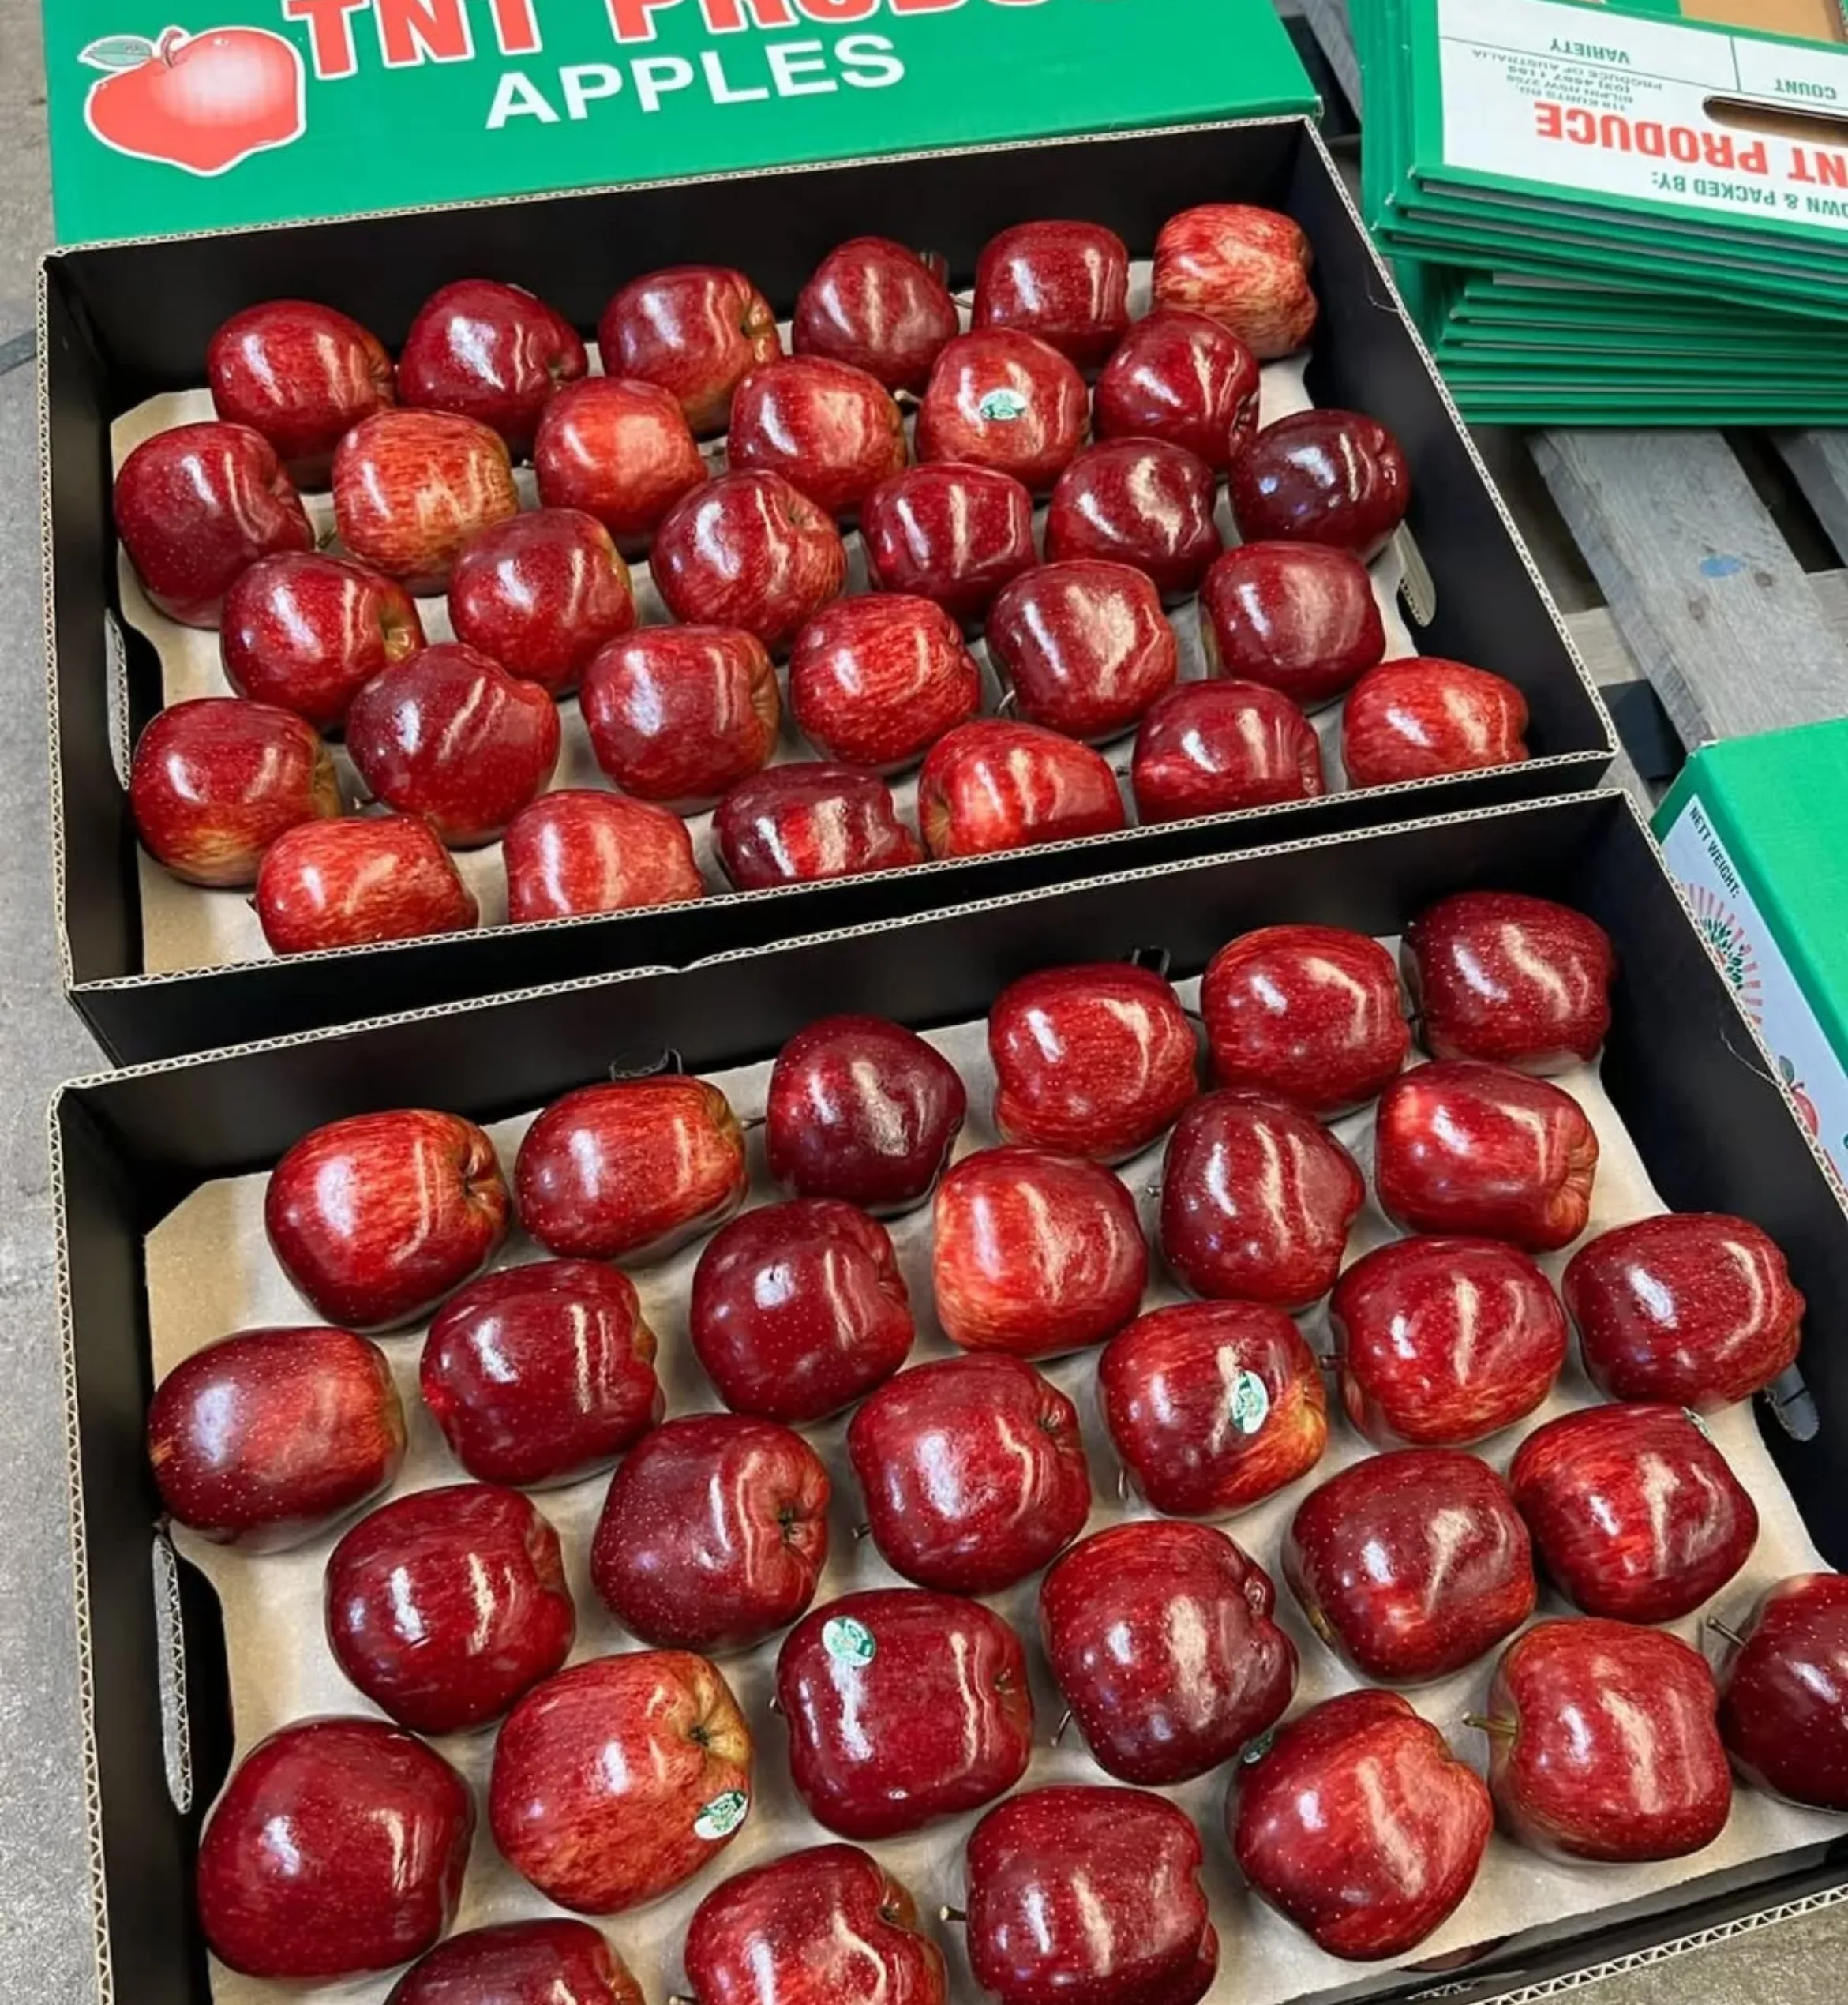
1503	1729
774	1703
1122	1484
1721	1629
1329	1363
951	1914
750	1122
1059	1731
862	1531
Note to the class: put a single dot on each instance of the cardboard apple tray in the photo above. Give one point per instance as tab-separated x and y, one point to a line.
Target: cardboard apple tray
125	323
185	1661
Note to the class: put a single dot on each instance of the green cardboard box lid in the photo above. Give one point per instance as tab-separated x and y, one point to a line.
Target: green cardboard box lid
265	110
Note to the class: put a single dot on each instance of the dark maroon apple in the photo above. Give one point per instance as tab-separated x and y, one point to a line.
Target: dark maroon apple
443	1607
541	594
1419	717
1781	1677
831	430
714	1535
1084	646
377	1217
542	1373
1300	618
1067	282
1000	399
337	1849
308	632
747	550
679	715
448	734
1521	981
300	374
1256	1197
903	1707
973	1472
1160	1639
1442	1342
879	306
695	329
861	1109
1034	1253
1603	1744
492	352
993	783
1096	1061
950	533
1462	1147
1214	747
1634	1512
876	680
1696	1308
1140	502
1181	377
1359	1825
265	1437
1410	1565
410	487
1248	268
360	883
809	820
215	781
619	450
549	1962
617	1780
196	505
1333	477
1213	1406
582	850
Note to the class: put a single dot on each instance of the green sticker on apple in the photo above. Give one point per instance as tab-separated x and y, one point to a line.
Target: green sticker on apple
846	1641
1251	1402
722	1816
1001	406
1258	1748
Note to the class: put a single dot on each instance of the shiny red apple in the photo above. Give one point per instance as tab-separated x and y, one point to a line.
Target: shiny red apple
582	850
302	374
308	632
747	550
1783	1675
695	329
1084	645
1333	477
1003	400
1214	747
808	821
620	450
1179	376
492	352
541	594
879	305
1246	268
360	883
876	680
679	715
1067	282
551	1962
1140	502
1420	716
410	487
831	430
951	532
1300	618
993	784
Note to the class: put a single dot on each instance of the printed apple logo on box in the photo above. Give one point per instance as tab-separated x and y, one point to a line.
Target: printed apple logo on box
203	102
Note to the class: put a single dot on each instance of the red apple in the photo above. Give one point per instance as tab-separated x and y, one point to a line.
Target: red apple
973	1472
1034	1253
1462	1147
1419	717
619	450
1247	268
1214	747
1782	1676
448	734
747	550
831	429
1300	618
799	1308
992	785
360	883
215	781
542	1373
308	632
1088	1897
581	850
695	329
1096	1061
1067	282
1332	477
1007	400
808	821
1139	502
631	1170
265	1437
491	352
902	1708
1602	1744
1443	1342
1633	1510
1257	1198
444	1606
337	1849
617	1781
714	1534
1160	1639
827	1926
548	1962
541	594
1359	1825
877	679
1411	1565
950	533
679	715
302	374
1084	645
1181	377
1693	1307
410	487
196	505
1213	1406
861	1109
879	305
